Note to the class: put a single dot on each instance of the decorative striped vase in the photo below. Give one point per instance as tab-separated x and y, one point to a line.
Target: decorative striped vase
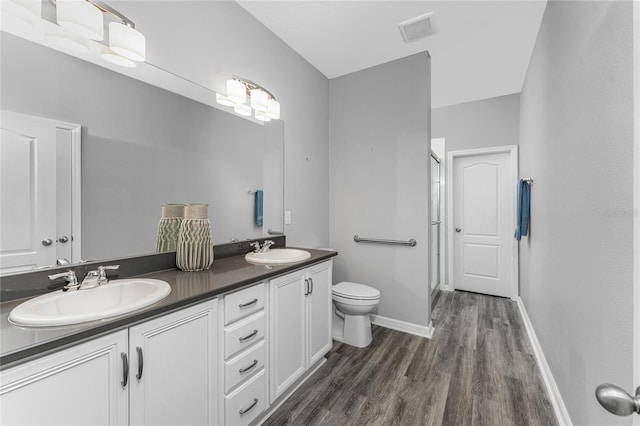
169	226
195	245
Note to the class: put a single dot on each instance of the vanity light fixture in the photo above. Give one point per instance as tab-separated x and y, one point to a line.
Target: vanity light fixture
264	104
80	17
86	19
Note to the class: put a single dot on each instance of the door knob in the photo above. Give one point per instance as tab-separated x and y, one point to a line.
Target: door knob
63	239
458	229
615	400
47	242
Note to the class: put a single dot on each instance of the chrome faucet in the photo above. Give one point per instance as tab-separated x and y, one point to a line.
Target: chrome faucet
70	277
266	245
257	248
97	278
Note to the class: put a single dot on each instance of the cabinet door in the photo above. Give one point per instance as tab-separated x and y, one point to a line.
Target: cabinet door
174	368
287	332
81	385
319	312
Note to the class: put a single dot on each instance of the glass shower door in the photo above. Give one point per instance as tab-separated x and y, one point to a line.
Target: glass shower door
435	223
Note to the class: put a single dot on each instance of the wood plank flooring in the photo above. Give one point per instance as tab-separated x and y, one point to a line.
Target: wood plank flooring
478	369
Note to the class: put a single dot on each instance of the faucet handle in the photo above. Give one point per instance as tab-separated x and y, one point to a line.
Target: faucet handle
102	270
69	276
256	246
266	244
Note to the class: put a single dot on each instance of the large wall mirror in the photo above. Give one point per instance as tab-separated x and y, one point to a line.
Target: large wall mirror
142	146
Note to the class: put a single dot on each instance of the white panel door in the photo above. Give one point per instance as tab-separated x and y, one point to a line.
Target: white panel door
27	194
319	312
37	199
174	368
287	332
482	222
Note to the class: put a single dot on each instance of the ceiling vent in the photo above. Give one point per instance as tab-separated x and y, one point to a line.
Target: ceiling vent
416	28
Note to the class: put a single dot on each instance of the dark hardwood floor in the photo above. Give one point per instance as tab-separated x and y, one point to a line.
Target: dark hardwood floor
478	369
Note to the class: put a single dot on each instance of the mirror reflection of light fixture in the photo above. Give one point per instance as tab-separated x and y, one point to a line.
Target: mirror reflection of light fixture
264	104
110	56
242	109
85	18
126	41
68	41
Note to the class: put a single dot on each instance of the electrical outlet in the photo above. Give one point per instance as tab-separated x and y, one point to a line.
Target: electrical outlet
287	217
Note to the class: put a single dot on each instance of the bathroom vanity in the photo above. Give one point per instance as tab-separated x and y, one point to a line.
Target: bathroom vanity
227	346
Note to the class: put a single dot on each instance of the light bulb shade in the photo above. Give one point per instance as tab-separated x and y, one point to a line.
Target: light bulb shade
127	42
24	8
259	100
111	56
81	17
223	100
262	116
236	92
242	109
68	41
273	109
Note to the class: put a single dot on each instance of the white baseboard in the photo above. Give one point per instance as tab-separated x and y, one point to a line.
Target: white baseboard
407	327
562	415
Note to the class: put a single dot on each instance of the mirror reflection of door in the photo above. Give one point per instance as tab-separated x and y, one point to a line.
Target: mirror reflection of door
435	223
38	193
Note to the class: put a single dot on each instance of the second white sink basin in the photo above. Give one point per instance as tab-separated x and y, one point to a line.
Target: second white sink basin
278	256
76	306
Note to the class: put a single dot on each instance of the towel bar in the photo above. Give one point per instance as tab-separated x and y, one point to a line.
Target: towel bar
410	243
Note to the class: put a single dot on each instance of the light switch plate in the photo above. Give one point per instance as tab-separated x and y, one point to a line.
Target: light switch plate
287	217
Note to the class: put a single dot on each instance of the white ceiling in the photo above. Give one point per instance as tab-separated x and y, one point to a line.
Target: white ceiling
480	49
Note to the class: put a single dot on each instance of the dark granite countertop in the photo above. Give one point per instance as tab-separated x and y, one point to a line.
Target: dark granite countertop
21	344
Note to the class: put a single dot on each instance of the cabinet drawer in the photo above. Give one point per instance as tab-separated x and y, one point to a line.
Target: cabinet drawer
238	369
244	405
243	302
243	334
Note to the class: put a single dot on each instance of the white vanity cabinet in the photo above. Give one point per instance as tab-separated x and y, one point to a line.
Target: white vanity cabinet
172	364
300	324
173	368
81	385
245	386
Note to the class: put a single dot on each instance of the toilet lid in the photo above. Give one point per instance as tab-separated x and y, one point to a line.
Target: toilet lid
355	291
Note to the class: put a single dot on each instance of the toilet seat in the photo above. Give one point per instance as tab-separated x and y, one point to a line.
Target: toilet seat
355	291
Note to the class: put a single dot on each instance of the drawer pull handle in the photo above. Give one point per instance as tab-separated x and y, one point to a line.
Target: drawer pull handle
246	305
253	364
249	408
125	369
248	336
140	363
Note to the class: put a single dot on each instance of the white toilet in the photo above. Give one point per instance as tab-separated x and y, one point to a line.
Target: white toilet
353	305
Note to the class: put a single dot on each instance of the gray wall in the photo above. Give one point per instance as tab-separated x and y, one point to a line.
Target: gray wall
472	125
207	42
379	133
480	124
141	147
576	136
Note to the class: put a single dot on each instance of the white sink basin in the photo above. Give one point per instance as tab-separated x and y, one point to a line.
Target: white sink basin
75	306
277	256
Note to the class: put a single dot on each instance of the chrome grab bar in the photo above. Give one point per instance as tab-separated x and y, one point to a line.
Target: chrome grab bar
410	243
272	232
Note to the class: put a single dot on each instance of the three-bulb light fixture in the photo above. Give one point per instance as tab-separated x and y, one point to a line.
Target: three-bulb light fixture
260	99
80	21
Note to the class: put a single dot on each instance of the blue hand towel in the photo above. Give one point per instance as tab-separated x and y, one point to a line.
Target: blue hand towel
524	205
258	207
